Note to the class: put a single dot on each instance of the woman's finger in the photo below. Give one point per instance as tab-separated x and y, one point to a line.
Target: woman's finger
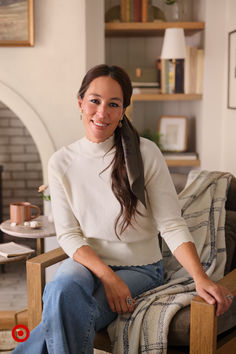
206	296
111	303
130	303
126	304
217	294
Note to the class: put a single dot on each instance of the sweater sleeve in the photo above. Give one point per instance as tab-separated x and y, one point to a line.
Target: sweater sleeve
163	201
69	234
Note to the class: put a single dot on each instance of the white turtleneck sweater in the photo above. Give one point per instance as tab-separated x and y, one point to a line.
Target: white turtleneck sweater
85	208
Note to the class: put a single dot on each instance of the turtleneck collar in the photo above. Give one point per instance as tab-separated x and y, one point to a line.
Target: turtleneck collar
97	149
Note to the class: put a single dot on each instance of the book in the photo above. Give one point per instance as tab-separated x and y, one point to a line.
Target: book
144	84
131	10
144	10
137	10
158	67
187	71
193	70
200	69
146	91
166	75
180	155
12	249
123	10
163	76
171	77
127	11
179	76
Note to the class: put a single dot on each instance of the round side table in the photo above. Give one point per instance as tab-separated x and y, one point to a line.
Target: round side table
46	229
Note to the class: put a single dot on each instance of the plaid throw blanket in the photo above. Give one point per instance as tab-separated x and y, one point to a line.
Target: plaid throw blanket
146	329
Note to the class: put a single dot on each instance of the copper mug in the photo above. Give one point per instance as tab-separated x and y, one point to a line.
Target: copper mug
22	211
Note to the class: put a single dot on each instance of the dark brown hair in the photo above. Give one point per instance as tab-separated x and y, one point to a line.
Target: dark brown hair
120	183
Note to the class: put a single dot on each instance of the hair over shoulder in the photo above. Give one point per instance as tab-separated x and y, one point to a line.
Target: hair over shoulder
120	183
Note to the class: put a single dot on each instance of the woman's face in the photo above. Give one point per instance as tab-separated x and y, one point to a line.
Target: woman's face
102	108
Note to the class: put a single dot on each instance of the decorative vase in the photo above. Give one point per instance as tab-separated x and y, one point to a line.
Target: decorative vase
48	211
178	11
50	217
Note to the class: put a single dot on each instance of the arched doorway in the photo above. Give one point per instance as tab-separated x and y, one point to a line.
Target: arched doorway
32	122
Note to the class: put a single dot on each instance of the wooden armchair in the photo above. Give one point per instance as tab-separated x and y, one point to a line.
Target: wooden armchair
194	329
203	322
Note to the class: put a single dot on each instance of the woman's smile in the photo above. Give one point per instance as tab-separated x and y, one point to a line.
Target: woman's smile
99	125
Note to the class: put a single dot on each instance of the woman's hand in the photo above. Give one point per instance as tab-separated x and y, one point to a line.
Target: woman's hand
214	293
211	292
117	293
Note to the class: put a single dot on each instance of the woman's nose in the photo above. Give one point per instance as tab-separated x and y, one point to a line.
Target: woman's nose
102	111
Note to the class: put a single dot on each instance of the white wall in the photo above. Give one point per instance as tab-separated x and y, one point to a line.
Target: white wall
218	143
229	115
40	83
47	76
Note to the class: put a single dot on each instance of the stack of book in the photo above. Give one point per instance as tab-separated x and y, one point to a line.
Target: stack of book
12	249
193	80
170	75
180	155
145	88
134	10
182	75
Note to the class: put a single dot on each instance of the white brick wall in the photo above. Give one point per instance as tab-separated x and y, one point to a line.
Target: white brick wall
19	157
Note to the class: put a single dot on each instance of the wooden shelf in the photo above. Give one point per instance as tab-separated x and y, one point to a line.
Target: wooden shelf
175	163
166	97
141	29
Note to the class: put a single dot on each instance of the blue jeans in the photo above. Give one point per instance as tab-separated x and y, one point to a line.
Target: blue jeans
75	307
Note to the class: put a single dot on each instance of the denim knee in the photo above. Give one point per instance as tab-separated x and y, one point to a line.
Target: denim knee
64	293
75	272
61	288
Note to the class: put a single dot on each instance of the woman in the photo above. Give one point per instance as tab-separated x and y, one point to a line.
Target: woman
111	194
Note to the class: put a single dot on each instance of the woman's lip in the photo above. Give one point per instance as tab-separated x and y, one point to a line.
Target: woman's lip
100	125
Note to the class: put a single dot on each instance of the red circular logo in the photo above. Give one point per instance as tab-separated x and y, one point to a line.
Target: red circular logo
20	333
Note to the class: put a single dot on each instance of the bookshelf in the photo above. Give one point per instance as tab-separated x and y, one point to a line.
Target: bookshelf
148	29
166	97
141	29
183	163
122	30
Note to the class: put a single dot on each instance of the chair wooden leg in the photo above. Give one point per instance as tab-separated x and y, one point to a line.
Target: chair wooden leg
35	268
203	333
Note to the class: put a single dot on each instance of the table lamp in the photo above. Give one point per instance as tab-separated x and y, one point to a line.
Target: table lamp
173	48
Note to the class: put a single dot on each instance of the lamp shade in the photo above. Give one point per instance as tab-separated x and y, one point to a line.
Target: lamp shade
174	46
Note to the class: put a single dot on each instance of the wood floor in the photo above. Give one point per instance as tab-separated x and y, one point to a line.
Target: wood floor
13	295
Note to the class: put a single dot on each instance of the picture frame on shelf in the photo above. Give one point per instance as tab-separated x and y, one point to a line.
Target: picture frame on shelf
17	23
173	131
232	70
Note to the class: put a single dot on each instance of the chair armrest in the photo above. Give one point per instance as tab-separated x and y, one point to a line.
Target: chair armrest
35	269
203	322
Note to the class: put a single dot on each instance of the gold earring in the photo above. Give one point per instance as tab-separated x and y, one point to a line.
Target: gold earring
120	124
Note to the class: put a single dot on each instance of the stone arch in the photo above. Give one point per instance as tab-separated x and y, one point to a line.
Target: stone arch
32	122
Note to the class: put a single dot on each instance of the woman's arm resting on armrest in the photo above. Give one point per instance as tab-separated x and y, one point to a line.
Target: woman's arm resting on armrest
211	292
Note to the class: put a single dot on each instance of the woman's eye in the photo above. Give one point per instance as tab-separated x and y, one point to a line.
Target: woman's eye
94	100
113	104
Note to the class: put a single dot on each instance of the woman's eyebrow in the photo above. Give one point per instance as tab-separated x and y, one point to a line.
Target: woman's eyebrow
112	98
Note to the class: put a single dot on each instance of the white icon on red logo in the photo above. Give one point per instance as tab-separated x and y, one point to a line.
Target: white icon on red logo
20	333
